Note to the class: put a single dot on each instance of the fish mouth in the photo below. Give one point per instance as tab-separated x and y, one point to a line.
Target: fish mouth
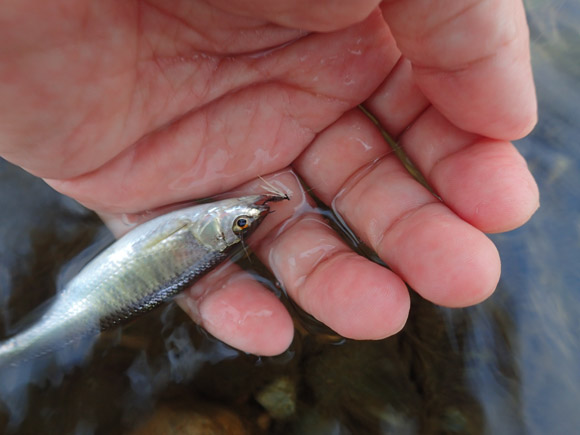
262	203
265	199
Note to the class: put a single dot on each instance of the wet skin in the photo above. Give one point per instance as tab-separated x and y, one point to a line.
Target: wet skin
132	106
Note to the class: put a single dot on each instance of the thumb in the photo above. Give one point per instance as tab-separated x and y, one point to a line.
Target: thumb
471	60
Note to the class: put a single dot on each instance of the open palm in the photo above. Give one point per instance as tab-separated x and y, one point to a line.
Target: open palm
128	106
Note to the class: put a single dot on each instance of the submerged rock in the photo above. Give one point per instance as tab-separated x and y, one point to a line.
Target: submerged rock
196	419
279	398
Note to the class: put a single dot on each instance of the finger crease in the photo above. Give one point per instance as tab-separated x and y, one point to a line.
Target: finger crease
401	218
437	162
326	259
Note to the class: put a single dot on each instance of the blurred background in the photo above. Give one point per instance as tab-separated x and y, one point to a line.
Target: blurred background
508	366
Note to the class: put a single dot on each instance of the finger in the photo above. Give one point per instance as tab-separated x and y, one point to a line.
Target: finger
254	131
232	306
352	295
471	60
484	181
438	254
398	101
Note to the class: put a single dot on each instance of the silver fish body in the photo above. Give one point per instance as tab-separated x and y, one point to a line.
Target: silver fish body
144	268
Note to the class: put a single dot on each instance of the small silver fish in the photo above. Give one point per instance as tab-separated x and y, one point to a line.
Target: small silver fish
144	268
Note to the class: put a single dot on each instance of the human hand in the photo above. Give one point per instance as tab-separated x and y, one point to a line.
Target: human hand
132	106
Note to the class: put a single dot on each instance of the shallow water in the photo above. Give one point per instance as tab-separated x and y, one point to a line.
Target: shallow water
510	365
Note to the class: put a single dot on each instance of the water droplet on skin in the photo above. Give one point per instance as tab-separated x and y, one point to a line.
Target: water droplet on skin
365	145
299	282
129	219
121	224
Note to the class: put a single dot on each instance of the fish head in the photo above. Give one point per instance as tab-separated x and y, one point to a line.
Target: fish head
229	221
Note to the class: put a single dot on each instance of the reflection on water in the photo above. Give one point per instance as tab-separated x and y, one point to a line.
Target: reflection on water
510	365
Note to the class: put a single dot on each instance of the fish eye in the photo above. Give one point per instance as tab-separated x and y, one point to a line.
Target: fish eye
240	224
